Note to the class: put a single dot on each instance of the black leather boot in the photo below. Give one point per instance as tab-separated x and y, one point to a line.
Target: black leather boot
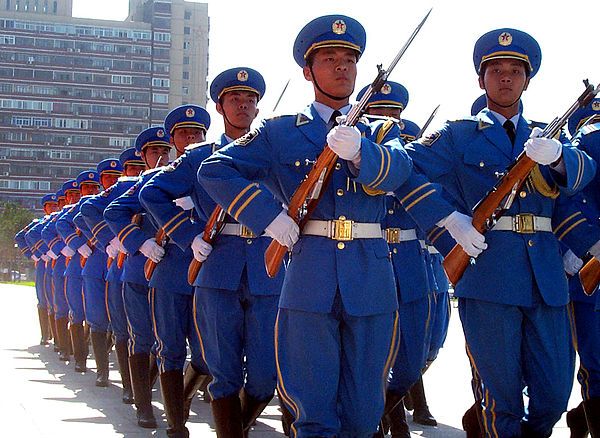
64	341
471	421
52	324
79	347
139	367
171	386
123	360
397	420
577	423
286	417
44	326
193	380
153	367
110	342
421	414
251	409
101	356
592	414
227	415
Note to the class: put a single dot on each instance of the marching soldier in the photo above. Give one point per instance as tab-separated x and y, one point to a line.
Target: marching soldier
94	273
135	233
334	348
521	304
92	211
235	301
171	296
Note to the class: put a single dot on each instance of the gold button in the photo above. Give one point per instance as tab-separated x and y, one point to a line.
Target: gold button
249	241
584	200
390	211
340	192
297	163
481	164
341	245
342	218
338	166
395	250
530	243
522	194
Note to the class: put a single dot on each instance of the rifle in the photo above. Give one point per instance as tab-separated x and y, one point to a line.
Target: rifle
589	276
161	239
499	199
309	193
213	227
427	123
136	219
83	260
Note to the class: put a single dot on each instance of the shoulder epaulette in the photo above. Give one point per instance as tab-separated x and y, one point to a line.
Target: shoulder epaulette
153	170
127	178
199	145
466	119
588	129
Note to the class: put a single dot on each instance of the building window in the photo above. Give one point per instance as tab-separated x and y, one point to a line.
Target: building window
8	5
160	98
187	15
119	142
185	90
186	30
186	60
186	75
121	79
159	82
162	36
186	45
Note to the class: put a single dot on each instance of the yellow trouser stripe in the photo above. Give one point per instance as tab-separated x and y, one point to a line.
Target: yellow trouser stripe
281	391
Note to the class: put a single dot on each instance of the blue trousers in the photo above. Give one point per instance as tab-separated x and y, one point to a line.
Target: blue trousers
512	346
332	369
415	318
439	328
40	272
94	294
233	325
116	311
48	290
61	308
74	288
174	328
587	330
139	323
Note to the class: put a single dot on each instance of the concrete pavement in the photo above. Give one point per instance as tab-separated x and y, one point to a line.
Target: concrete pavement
43	397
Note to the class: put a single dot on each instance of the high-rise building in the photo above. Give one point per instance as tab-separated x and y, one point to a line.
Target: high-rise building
74	91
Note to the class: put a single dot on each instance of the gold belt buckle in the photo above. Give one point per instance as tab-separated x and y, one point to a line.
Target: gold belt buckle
342	229
524	223
392	235
246	233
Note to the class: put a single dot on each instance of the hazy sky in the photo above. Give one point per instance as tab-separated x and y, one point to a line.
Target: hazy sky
437	68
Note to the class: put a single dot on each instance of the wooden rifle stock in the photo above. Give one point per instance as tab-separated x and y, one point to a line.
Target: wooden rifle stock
499	199
162	239
82	259
590	276
136	219
109	262
211	230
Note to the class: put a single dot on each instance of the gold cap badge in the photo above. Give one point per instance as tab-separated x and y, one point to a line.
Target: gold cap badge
505	39
339	27
242	75
113	164
90	175
190	112
386	89
160	133
596	105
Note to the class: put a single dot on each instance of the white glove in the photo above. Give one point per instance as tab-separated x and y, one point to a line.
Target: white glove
200	248
67	252
345	142
461	229
51	254
34	257
152	250
45	258
85	251
544	151
112	251
572	263
116	243
283	229
184	203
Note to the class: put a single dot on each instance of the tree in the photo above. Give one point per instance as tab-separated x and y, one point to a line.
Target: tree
13	218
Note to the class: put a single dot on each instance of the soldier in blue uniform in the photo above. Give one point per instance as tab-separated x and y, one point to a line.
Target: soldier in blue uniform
333	347
171	296
94	273
235	301
584	127
516	293
92	211
135	233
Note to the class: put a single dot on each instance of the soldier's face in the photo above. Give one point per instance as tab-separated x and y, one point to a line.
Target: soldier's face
334	69
108	180
504	80
89	189
61	203
50	207
152	154
239	107
134	169
388	112
73	196
183	137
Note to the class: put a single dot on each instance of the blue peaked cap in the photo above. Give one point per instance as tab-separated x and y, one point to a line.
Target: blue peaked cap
187	116
238	78
581	115
392	94
154	136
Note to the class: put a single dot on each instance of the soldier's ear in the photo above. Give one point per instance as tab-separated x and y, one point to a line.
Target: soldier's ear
526	83
220	109
307	73
481	82
256	113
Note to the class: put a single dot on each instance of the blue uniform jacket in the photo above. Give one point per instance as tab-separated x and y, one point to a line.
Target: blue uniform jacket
50	234
464	157
119	215
22	243
278	155
34	237
231	254
72	238
95	266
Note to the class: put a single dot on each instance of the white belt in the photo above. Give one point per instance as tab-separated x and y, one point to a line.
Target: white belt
432	249
237	230
397	235
342	229
423	244
523	223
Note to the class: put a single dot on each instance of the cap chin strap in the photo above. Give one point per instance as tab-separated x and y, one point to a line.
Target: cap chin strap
331	96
